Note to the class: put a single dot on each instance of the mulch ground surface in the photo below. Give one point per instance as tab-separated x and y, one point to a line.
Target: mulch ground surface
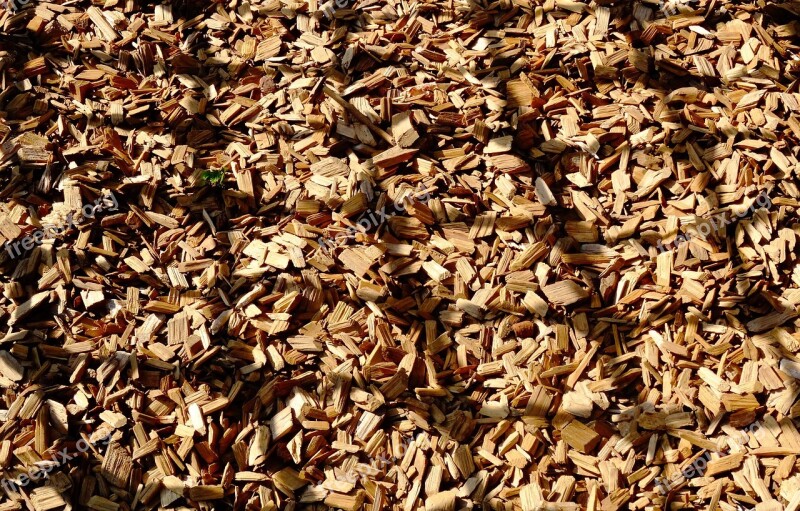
400	255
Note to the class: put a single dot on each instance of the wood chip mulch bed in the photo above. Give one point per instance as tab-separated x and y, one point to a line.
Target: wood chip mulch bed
400	255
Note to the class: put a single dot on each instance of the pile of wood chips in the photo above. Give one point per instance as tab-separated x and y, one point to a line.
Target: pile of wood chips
400	255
